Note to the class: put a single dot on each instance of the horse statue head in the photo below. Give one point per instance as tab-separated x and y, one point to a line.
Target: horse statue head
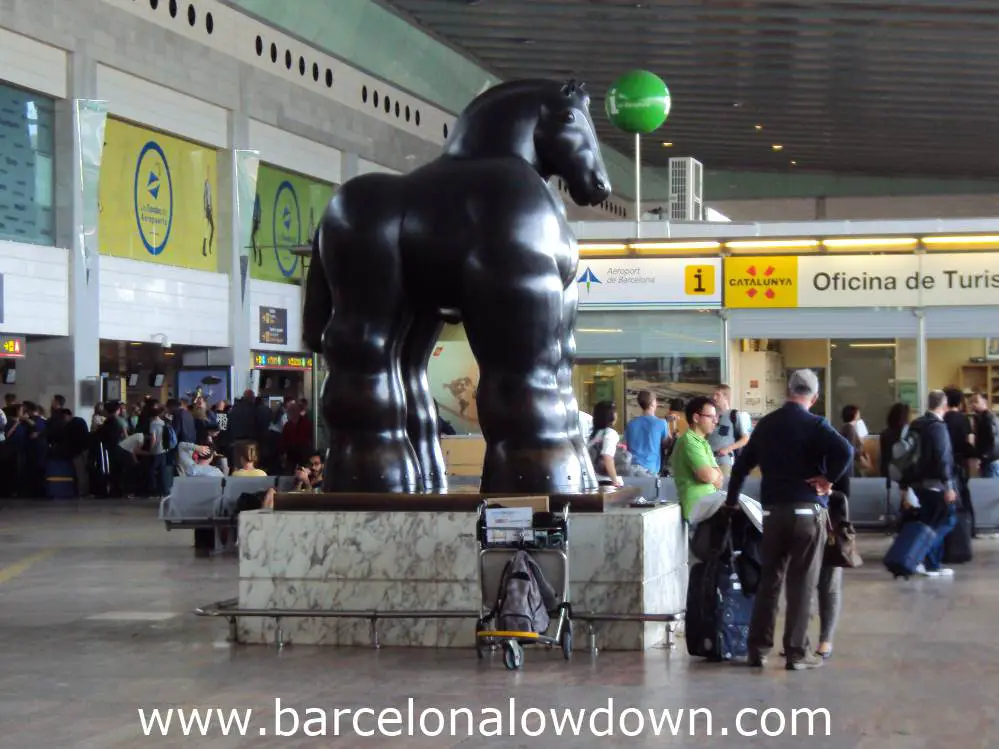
544	122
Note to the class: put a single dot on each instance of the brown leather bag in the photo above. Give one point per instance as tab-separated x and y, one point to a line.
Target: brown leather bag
841	545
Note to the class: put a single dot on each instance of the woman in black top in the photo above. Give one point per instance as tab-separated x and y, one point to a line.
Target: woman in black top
899	417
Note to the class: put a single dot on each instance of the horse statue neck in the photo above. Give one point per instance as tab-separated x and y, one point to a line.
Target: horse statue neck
500	122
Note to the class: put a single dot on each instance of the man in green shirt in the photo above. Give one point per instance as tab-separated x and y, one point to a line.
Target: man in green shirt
693	463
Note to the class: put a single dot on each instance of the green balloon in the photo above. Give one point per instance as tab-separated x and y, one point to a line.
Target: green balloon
638	102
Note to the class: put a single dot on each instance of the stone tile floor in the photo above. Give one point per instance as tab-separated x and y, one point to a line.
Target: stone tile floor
95	602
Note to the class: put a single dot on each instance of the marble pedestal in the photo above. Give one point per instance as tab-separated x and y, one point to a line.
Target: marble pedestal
624	560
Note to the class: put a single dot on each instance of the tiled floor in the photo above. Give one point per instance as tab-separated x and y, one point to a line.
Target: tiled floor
95	624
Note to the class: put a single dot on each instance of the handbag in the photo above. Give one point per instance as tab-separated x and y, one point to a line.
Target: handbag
841	546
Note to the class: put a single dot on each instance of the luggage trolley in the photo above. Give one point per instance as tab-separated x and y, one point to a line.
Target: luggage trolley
547	541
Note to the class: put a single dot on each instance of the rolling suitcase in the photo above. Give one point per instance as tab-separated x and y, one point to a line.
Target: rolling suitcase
909	549
957	543
60	479
718	612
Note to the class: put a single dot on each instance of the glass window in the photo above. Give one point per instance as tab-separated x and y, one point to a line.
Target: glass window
675	355
27	142
871	374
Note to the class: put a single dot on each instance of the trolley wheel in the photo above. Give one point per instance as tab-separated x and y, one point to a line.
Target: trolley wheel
565	640
480	642
513	655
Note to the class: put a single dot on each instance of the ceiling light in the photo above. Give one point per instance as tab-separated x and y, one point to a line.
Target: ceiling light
602	249
758	127
599	330
667	144
970	239
838	244
794	163
665	247
777	147
783	244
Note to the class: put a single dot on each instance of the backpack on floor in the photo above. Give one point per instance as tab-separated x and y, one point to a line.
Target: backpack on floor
524	598
719	607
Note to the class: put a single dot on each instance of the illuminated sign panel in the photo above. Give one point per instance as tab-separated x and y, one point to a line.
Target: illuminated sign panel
263	360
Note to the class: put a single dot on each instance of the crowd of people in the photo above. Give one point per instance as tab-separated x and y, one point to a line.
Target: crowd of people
131	450
29	439
806	466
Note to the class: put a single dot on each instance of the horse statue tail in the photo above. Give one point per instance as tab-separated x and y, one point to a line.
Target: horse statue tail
318	305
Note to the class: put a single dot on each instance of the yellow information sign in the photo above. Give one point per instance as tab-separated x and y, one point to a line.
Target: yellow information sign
699	280
157	198
761	282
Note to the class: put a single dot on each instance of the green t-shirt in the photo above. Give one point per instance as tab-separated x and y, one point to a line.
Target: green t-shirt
692	451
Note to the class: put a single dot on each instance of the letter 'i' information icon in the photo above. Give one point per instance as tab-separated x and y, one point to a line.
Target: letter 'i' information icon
699	280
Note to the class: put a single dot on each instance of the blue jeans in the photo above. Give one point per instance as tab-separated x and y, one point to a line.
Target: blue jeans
941	517
990	470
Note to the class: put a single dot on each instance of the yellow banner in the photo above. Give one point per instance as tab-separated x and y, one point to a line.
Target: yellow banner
158	198
286	213
761	282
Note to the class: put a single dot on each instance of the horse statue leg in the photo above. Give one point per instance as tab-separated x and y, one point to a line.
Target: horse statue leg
512	309
570	301
364	400
421	411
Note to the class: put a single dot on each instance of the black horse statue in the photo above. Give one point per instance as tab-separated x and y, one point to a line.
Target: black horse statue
478	236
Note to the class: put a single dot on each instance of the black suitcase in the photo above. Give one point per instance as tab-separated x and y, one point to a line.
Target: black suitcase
718	612
957	543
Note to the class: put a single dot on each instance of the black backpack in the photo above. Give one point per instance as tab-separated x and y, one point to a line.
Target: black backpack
736	430
905	460
525	597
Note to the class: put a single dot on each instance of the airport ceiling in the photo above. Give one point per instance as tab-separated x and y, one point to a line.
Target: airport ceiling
897	87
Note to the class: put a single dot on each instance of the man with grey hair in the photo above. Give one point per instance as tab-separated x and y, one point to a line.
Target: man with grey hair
934	480
800	456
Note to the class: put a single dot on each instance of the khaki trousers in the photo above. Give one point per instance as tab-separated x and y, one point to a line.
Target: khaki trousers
794	536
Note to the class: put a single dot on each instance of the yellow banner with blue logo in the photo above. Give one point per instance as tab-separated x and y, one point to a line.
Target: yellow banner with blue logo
286	212
157	198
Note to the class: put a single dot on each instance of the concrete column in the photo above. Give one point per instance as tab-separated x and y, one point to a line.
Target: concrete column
921	363
726	355
237	178
71	366
820	208
349	166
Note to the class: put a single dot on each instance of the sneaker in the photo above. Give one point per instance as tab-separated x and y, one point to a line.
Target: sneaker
756	661
921	569
807	663
942	572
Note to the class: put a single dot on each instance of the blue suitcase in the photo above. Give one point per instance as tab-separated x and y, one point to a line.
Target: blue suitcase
909	549
60	479
718	612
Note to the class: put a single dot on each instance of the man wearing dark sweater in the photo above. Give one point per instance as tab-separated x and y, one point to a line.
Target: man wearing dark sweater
959	428
936	483
800	456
